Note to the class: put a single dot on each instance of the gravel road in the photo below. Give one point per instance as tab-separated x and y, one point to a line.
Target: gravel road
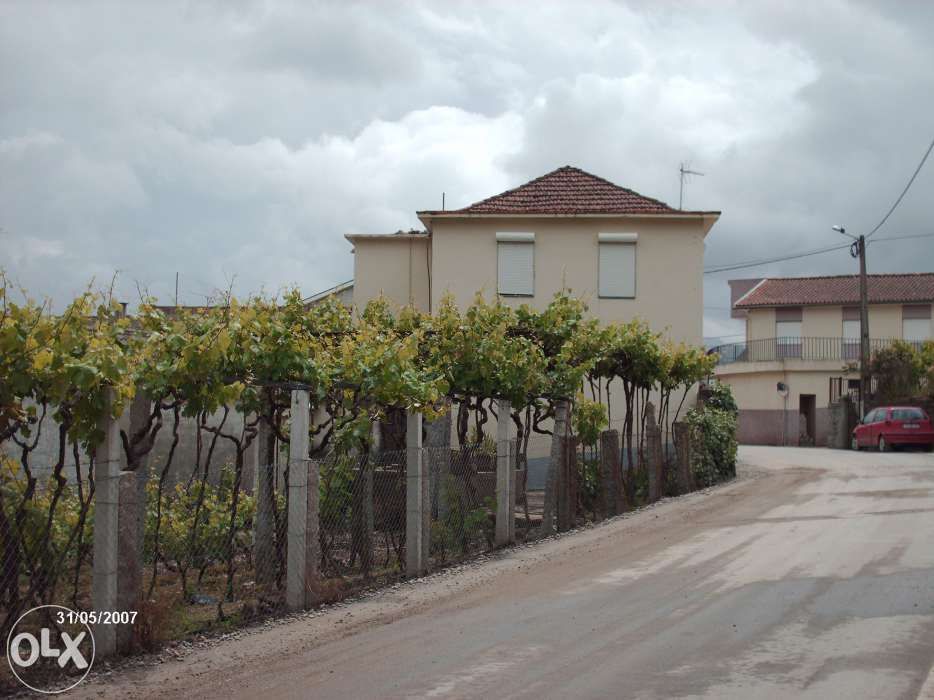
811	576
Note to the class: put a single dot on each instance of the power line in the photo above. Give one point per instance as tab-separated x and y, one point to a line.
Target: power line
905	238
767	261
904	191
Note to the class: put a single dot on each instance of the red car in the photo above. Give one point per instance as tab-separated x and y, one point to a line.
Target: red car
888	427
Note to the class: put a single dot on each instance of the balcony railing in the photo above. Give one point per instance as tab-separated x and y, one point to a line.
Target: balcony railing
772	349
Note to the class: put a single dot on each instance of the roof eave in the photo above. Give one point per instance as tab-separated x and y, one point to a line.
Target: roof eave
839	302
384	236
426	216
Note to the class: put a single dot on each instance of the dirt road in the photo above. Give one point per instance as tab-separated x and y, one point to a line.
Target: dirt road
813	576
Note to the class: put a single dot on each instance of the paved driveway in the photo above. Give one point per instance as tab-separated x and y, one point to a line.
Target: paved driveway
811	577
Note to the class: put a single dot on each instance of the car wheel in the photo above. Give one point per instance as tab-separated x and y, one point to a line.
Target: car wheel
854	444
883	445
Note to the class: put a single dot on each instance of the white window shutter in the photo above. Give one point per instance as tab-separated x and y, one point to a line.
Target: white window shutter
617	270
916	329
516	267
788	331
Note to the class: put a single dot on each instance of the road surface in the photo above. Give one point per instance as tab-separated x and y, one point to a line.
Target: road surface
810	577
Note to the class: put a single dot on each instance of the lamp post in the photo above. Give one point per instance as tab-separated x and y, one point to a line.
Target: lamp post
858	250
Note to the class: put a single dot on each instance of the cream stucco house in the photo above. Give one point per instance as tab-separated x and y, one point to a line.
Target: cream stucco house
628	255
802	347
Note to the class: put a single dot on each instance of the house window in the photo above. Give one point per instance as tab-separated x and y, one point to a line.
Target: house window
850	332
617	265
515	255
916	322
788	331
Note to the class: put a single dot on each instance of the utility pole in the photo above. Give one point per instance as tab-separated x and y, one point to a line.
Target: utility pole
858	250
864	379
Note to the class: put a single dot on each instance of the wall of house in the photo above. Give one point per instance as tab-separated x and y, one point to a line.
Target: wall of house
396	267
669	266
669	276
760	323
885	321
764	412
821	322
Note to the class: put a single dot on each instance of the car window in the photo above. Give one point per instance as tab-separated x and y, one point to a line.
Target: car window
870	417
907	414
876	415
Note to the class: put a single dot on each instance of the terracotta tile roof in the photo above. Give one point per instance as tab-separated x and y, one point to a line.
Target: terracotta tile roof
567	190
842	289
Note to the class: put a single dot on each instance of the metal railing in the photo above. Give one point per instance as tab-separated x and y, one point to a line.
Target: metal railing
807	348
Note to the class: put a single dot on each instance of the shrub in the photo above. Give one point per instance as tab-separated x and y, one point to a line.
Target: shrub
900	371
588	418
720	396
51	526
193	537
927	367
713	436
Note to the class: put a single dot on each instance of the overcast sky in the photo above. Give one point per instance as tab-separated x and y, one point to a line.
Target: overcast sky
238	142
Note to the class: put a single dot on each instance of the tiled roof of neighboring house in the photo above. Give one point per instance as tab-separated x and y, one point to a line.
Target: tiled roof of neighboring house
567	190
397	235
336	290
842	289
173	310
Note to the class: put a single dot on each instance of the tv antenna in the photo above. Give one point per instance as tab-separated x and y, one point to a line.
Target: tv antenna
685	171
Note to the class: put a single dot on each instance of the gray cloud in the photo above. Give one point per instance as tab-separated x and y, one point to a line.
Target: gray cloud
241	141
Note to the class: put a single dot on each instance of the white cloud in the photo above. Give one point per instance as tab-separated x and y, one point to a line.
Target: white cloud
243	140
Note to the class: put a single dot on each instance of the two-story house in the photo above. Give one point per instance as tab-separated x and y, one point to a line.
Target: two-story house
802	347
626	254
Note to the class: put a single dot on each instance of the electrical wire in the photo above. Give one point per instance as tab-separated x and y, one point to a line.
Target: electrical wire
904	238
768	261
795	256
904	191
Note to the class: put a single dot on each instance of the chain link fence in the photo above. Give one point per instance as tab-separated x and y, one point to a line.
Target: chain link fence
362	502
213	523
463	502
46	522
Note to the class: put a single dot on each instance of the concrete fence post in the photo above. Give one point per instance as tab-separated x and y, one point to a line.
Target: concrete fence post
653	453
417	500
682	433
303	553
567	484
562	413
505	478
105	575
610	472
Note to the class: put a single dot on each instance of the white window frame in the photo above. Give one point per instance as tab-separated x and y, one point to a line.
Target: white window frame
608	242
514	238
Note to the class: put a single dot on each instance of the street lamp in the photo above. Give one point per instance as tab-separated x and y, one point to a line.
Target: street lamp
858	250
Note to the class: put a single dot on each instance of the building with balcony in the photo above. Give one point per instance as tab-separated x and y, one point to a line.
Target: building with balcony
802	347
